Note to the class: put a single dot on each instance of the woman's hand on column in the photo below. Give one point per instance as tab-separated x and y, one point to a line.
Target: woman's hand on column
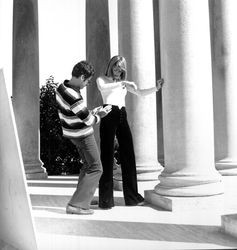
160	84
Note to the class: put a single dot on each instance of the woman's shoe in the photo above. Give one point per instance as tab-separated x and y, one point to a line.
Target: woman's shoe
105	208
142	203
94	203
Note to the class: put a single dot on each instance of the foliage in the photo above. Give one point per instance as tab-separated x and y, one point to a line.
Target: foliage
58	154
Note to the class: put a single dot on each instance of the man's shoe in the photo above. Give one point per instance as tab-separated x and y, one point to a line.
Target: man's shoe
77	210
94	203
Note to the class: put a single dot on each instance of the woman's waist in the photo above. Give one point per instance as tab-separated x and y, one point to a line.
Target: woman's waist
114	100
115	107
117	103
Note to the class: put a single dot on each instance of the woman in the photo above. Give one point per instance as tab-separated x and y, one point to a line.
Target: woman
113	87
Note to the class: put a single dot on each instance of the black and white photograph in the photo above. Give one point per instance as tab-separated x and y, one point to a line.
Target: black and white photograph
118	124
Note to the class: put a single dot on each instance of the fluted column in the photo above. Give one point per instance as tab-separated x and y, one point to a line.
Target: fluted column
6	41
97	48
224	51
136	44
187	102
158	75
26	84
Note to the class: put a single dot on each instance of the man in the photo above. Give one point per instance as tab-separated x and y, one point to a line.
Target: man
77	121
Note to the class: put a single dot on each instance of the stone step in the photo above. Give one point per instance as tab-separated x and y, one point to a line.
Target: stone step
144	227
229	224
120	228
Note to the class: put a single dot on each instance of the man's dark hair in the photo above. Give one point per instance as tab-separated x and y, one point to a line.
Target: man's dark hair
83	68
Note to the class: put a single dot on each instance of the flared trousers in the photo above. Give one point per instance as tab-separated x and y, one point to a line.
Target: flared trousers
116	124
90	172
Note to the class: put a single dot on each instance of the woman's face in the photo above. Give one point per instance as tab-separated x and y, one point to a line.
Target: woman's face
117	70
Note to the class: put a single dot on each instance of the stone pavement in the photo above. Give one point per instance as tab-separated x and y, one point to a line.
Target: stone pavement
122	227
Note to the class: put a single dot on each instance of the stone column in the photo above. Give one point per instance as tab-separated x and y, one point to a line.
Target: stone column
6	41
187	107
26	84
160	139
224	59
97	48
136	44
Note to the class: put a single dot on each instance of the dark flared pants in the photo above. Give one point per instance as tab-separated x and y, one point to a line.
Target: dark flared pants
115	123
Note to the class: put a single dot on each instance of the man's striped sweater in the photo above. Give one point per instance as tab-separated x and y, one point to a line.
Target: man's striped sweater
76	119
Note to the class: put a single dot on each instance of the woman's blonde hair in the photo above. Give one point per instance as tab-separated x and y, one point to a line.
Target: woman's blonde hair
122	63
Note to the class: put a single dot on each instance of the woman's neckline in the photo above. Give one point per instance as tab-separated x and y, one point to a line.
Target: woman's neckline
112	79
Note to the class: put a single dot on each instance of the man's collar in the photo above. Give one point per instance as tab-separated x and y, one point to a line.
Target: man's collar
66	83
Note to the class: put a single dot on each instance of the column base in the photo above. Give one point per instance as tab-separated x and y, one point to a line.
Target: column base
37	176
118	185
191	191
149	173
226	167
143	173
142	185
147	177
229	224
35	171
189	184
180	204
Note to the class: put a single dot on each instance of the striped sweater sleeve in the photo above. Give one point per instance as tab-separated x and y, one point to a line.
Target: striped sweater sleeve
78	106
80	110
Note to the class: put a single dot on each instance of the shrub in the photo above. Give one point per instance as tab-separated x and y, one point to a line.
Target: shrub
58	154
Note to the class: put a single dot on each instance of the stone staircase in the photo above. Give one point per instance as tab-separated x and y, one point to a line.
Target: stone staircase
122	227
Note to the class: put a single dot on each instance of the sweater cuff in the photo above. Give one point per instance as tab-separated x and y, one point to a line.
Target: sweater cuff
97	119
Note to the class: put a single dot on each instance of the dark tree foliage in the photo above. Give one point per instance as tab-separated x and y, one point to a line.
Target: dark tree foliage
58	154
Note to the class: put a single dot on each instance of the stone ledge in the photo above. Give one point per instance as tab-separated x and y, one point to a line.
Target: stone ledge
229	224
184	203
36	176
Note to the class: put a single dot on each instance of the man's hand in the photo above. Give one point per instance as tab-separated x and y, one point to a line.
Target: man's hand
102	112
95	110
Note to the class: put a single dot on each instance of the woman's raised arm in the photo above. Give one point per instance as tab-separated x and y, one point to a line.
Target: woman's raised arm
132	87
102	84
